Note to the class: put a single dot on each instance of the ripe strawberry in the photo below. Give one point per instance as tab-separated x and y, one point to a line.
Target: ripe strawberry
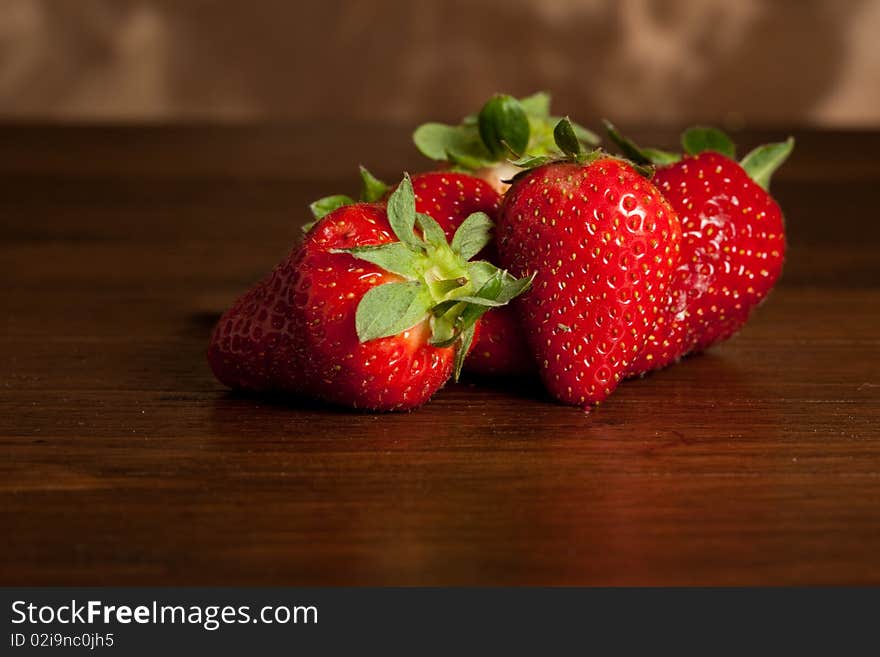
449	197
500	348
603	243
733	242
373	310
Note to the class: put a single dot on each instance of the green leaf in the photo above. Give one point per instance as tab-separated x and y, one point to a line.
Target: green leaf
480	271
372	189
402	213
461	351
482	302
646	171
394	257
762	162
431	230
444	331
700	139
496	287
461	144
499	290
455	316
441	288
390	309
472	235
469	145
324	206
512	287
537	105
567	140
458	318
586	136
531	162
635	153
433	139
543	142
661	158
466	162
504	126
626	146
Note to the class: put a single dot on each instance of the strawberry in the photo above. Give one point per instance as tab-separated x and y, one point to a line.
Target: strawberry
602	244
500	348
374	309
733	243
449	197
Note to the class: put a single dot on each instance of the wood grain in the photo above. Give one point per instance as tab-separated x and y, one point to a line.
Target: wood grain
124	462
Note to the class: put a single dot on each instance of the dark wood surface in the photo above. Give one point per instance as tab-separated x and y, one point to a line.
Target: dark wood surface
124	462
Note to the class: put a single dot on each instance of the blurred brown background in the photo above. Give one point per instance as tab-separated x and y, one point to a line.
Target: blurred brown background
808	62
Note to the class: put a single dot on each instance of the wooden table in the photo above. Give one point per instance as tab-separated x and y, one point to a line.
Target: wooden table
124	462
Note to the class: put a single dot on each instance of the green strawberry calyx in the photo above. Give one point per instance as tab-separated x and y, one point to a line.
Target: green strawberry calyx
571	149
373	190
505	128
440	281
760	164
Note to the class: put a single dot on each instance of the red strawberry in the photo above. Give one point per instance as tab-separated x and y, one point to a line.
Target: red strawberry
450	197
366	312
733	239
500	348
603	243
